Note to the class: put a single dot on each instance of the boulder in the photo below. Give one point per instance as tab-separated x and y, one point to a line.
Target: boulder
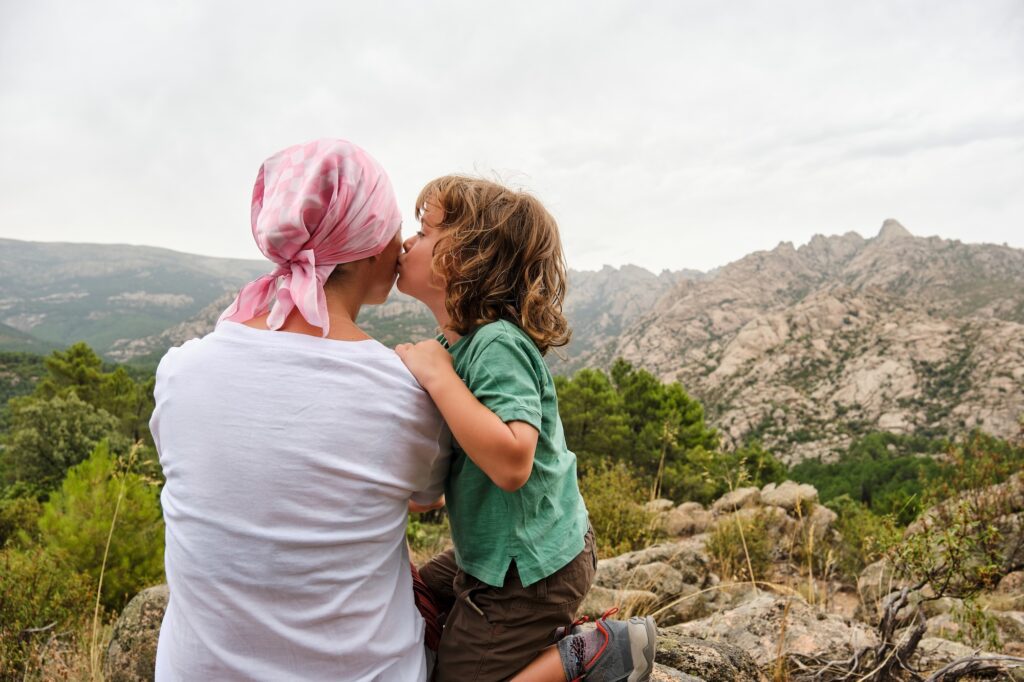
659	578
1010	625
779	524
659	506
758	625
937	607
1012	584
706	660
933	652
686	556
601	599
820	521
736	499
1009	595
691	604
943	626
790	495
131	655
687	519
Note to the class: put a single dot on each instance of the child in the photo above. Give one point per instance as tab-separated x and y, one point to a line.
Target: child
488	263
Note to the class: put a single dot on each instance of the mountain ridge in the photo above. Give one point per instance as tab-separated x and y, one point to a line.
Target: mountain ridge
808	347
804	347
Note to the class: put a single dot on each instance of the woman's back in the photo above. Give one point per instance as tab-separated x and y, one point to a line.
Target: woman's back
290	461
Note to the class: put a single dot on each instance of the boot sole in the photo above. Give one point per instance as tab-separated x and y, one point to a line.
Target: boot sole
643	653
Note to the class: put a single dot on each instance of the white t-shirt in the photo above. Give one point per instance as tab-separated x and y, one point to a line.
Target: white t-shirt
290	461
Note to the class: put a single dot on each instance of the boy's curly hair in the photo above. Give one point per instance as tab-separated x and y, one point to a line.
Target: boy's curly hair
500	256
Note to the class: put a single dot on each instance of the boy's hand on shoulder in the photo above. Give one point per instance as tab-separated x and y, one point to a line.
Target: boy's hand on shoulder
427	360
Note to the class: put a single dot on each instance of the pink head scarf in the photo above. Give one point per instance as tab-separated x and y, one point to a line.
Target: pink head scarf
314	206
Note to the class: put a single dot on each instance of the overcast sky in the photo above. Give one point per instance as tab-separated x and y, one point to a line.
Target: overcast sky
666	134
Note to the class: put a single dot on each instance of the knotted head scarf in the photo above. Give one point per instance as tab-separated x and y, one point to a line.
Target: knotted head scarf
314	206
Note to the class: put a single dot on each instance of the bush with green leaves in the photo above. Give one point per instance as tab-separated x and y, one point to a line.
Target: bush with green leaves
657	430
75	404
978	627
47	436
886	472
428	534
615	499
864	537
18	518
39	597
79	370
76	523
740	544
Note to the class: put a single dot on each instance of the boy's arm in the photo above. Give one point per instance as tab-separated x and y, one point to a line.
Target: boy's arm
503	451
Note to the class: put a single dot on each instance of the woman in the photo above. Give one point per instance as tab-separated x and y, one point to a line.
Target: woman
293	444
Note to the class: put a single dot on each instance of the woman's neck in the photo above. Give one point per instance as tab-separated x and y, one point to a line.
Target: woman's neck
342	311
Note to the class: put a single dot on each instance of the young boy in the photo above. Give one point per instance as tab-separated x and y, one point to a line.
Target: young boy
488	263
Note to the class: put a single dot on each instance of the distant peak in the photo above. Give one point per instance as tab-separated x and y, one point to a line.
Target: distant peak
891	229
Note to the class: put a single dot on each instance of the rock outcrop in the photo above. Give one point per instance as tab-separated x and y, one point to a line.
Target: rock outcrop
712	630
807	348
769	626
131	655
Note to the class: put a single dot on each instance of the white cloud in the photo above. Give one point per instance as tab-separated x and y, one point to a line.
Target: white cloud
665	134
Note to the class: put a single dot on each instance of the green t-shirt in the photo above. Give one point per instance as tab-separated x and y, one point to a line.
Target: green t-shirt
541	525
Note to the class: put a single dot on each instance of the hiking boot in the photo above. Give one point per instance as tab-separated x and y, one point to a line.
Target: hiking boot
623	650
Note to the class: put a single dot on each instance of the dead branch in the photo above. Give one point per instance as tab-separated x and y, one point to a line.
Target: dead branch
973	665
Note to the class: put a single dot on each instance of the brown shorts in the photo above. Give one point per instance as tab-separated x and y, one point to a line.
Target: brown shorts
491	633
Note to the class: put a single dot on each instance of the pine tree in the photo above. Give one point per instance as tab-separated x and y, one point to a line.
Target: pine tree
77	519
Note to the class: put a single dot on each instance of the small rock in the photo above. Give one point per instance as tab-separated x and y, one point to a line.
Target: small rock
1012	583
657	577
131	655
943	626
933	653
790	495
660	505
1010	625
664	674
821	520
937	607
736	499
690	604
686	556
601	599
706	660
687	519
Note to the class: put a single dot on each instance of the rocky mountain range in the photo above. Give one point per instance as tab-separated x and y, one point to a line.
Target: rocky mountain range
808	347
804	348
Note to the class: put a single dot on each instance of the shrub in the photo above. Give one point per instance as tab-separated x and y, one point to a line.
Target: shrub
738	545
886	472
77	519
47	436
864	537
37	593
19	516
426	537
615	498
978	628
